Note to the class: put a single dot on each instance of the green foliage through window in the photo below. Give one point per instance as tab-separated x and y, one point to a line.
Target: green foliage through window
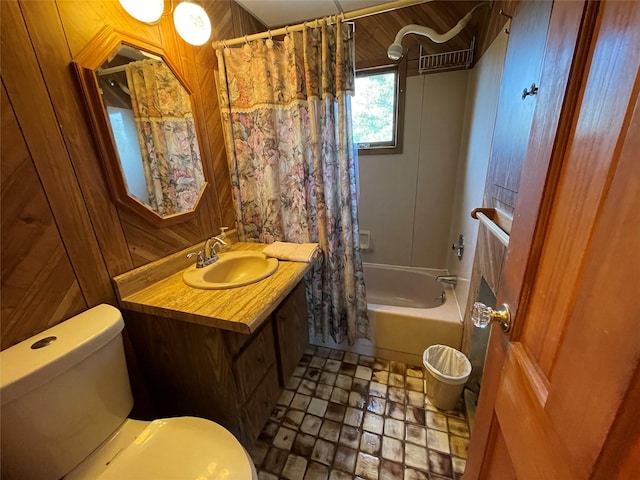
374	107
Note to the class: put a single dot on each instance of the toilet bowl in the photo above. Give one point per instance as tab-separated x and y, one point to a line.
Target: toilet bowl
65	397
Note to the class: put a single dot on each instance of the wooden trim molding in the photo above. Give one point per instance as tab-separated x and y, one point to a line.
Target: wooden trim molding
104	45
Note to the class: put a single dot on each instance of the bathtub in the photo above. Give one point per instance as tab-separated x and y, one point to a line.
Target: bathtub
407	313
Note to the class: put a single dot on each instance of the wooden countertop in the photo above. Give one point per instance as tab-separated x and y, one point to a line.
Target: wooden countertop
158	289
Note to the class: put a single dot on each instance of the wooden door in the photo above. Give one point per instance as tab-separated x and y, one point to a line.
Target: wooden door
560	394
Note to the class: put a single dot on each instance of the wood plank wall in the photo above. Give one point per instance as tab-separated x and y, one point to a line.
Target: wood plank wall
63	237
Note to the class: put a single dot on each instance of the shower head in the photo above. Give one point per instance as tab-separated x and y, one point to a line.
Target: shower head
395	50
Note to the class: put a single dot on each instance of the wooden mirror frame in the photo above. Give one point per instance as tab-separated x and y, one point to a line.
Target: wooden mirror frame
107	42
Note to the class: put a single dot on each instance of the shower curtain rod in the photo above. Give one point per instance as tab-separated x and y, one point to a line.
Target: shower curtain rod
344	16
107	71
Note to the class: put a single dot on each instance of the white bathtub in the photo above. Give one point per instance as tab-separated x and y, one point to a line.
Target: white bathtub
406	314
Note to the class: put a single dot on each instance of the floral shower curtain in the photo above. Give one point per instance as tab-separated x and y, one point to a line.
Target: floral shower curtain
167	137
286	110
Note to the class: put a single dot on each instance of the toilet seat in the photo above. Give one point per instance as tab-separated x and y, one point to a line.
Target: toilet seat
177	448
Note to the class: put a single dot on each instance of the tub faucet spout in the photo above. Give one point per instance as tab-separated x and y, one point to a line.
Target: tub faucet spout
448	279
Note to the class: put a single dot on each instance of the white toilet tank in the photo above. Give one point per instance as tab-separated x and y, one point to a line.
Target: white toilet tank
60	401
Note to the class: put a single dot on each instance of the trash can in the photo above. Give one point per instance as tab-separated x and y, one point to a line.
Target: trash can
447	370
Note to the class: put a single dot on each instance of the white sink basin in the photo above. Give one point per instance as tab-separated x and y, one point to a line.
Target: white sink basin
233	269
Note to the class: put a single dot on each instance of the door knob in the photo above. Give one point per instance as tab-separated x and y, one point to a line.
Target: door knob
481	316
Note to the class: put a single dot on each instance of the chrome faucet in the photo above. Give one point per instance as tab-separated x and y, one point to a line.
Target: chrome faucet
448	279
200	262
209	255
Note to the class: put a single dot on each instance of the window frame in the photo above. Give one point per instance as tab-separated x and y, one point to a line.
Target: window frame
373	68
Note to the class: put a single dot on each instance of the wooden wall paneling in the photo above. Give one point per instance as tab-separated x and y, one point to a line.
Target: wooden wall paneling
243	22
147	243
218	166
221	14
26	88
210	218
39	287
83	20
220	161
49	41
172	44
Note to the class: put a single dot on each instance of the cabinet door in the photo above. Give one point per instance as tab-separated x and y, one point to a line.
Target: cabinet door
523	64
252	364
254	413
292	331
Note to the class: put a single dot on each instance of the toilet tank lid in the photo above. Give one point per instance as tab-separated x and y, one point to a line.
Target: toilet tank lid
23	368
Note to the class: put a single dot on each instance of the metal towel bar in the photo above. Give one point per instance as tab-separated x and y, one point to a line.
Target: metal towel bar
498	222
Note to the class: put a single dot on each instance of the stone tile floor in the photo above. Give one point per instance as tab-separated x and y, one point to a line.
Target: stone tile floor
344	416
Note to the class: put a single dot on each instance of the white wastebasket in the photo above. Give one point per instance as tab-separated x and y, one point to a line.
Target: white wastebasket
447	370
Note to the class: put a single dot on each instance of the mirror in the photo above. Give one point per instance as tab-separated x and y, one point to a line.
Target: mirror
143	119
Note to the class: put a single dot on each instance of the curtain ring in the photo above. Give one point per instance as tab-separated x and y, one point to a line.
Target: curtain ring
269	33
246	40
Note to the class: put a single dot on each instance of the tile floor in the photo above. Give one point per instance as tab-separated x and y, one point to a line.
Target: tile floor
344	416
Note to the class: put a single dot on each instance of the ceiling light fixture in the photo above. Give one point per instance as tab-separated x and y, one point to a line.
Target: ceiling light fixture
192	23
147	11
190	19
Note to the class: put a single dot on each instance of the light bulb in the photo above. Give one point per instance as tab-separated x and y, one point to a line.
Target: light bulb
192	23
147	11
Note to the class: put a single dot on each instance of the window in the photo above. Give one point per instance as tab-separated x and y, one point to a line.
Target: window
377	109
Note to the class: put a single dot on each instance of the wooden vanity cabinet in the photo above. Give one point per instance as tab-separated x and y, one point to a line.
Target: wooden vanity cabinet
228	377
291	330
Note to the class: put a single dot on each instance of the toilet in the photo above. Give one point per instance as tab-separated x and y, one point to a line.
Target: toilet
65	397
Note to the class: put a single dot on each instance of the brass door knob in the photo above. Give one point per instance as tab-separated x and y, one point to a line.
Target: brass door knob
481	316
